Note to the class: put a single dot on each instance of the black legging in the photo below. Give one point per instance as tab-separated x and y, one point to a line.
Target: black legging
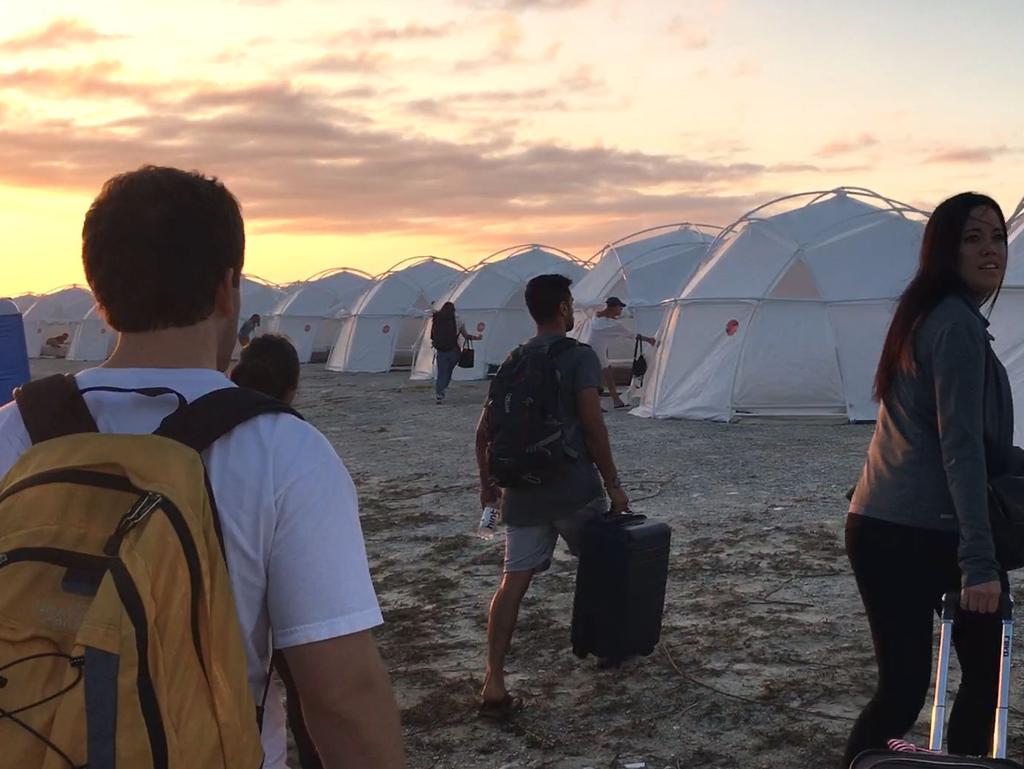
902	572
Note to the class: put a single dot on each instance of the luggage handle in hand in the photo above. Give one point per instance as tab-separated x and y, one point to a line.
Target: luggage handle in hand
626	516
950	607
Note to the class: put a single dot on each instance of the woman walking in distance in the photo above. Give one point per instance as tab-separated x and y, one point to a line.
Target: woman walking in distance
445	329
918	525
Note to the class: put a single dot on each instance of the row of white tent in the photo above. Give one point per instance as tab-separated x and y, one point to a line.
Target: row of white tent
781	314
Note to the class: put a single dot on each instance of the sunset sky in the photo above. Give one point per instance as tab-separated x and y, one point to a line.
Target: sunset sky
360	133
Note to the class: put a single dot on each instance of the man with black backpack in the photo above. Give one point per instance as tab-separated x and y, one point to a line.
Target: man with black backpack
175	529
543	451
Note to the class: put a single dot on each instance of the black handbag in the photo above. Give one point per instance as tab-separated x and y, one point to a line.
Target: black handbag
1006	517
467	358
639	361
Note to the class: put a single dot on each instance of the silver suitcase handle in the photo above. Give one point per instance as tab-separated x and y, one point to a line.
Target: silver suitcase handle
950	606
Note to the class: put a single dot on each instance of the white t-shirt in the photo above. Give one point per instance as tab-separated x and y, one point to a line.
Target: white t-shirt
288	510
605	331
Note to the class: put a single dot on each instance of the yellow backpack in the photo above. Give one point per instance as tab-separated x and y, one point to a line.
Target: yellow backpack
120	644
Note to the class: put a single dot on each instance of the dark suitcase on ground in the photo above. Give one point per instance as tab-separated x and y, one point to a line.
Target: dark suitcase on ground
620	587
886	759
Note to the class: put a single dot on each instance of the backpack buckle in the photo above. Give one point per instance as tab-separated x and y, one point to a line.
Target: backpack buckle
138	513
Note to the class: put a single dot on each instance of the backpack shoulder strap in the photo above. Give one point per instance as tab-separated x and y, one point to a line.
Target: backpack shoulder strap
562	345
214	415
53	407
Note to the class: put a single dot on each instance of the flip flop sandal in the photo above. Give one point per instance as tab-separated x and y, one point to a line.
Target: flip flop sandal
501	709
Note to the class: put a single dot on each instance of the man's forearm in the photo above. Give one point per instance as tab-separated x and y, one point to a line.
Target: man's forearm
481	449
481	461
601	452
368	734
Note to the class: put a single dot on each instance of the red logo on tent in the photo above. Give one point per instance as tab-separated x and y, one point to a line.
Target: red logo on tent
386	329
732	327
480	326
308	327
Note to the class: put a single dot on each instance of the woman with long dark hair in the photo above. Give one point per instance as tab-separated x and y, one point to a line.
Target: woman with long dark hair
445	329
918	525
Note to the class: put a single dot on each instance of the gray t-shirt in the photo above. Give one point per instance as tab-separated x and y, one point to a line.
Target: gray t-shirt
580	486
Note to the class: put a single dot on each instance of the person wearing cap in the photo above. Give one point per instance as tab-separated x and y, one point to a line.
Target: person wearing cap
605	329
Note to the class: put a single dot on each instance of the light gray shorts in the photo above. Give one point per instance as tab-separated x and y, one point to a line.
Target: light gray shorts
529	548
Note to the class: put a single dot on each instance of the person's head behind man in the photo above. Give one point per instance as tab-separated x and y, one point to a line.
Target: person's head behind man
164	249
549	301
613	307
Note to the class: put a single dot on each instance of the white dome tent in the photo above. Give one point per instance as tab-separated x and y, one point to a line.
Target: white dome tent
54	313
489	300
384	326
25	301
788	315
1006	328
93	339
310	314
643	270
259	297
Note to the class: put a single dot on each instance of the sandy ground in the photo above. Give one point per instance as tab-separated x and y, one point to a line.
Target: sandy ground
765	656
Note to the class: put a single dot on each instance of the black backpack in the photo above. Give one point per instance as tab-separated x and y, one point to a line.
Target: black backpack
527	444
444	334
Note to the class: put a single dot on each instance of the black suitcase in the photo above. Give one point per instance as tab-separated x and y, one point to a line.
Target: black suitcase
887	759
620	587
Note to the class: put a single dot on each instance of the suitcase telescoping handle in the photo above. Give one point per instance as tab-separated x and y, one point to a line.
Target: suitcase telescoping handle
950	606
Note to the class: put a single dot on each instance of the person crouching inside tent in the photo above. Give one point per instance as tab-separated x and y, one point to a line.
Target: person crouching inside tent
445	330
270	364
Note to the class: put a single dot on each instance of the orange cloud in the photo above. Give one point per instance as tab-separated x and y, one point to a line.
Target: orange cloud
692	36
846	146
302	164
383	34
59	33
968	155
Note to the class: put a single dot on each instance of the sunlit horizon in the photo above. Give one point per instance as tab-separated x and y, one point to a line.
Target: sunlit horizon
360	138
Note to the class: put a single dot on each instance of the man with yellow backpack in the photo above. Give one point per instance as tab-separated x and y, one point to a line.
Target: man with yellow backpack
165	531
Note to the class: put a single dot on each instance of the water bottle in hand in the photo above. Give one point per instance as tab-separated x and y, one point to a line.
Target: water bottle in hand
488	522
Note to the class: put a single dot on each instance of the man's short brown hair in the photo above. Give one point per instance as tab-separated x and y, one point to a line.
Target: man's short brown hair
155	245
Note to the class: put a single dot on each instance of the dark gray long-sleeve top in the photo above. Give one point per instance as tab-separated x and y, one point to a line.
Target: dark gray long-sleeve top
944	430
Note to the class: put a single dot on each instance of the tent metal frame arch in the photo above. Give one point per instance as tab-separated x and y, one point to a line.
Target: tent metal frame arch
53	291
412	261
262	281
332	271
1017	217
596	257
894	207
291	289
511	251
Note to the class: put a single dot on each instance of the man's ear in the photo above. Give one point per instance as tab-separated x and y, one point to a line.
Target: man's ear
227	289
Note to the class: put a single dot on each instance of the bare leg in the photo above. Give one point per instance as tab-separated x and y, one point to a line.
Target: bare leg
609	384
501	623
